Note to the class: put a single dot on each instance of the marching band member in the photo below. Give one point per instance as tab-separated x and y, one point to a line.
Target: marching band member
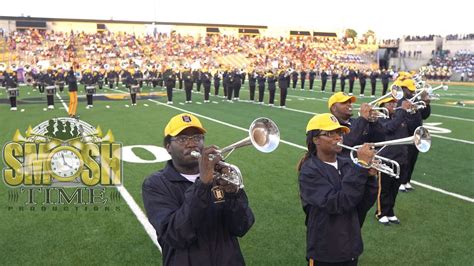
169	77
373	81
252	84
409	87
261	79
271	80
191	227
217	82
352	76
133	85
282	84
324	79
89	82
294	77
197	78
10	82
188	83
312	76
206	83
362	80
72	87
48	83
112	77
331	189
334	76
60	79
361	131
237	83
303	78
385	77
342	78
394	127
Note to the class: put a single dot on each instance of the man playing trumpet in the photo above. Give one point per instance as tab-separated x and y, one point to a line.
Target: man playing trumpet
180	200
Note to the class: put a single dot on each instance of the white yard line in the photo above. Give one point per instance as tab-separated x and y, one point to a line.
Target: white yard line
130	202
304	148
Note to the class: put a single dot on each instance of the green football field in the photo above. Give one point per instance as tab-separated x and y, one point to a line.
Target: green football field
436	218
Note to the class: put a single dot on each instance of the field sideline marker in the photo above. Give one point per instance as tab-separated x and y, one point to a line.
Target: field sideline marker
131	202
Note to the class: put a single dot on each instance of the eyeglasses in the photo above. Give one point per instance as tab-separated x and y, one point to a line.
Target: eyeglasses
183	139
332	134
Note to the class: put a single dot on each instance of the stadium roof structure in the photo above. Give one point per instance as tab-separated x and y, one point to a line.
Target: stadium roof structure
44	19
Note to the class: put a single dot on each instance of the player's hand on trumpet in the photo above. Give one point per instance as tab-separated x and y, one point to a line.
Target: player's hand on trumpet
365	154
210	156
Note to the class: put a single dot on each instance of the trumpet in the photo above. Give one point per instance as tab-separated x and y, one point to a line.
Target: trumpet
264	135
376	113
395	92
421	139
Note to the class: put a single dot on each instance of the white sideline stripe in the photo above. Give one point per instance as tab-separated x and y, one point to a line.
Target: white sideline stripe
130	202
454	117
457	140
304	148
443	191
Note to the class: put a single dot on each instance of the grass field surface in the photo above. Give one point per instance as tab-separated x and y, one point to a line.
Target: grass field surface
435	229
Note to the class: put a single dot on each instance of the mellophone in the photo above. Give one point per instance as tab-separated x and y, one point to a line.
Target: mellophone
13	92
50	90
90	90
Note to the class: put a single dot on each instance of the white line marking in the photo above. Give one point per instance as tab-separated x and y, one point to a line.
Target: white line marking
130	202
304	148
442	191
457	140
453	117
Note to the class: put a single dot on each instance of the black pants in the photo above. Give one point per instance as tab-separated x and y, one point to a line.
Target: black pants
261	93
385	88
271	99
225	85
333	87
388	194
180	84
411	161
373	84
323	84
230	91
50	99
362	87
294	83
283	93
133	96
188	89
198	85
89	99
13	101
311	83
351	85
216	87
169	93
343	85
237	90
207	90
302	84
252	91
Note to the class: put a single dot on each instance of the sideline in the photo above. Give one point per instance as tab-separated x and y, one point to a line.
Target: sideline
130	202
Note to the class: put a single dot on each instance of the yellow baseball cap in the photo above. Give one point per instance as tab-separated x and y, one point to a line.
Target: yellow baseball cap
386	100
180	122
326	122
340	97
407	83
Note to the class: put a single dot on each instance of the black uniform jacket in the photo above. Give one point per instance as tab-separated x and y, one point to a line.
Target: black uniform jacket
330	198
191	228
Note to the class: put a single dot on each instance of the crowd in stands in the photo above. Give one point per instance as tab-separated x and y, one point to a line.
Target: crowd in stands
79	48
420	38
454	37
441	67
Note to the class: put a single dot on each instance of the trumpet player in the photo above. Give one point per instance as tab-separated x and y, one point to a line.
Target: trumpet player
409	87
192	228
396	126
333	190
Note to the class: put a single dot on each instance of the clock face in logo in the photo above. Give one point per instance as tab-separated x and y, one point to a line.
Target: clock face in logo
65	163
